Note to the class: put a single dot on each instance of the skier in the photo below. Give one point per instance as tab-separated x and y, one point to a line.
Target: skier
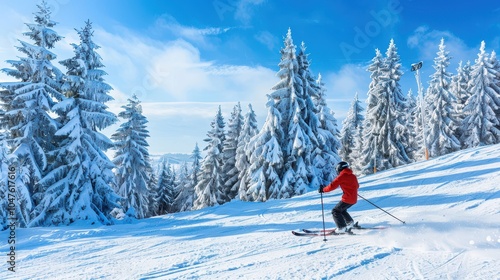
348	182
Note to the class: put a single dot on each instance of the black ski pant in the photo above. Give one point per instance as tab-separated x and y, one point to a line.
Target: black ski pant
340	215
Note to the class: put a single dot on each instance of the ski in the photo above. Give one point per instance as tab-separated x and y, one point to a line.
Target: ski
356	226
320	233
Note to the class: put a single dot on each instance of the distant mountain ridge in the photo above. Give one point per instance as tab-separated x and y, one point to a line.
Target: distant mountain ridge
175	160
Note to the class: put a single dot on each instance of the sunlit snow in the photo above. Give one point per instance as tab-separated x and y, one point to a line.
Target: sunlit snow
451	206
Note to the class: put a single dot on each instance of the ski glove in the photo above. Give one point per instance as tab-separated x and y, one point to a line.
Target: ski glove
320	190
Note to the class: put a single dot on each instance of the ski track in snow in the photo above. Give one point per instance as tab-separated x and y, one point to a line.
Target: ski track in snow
450	205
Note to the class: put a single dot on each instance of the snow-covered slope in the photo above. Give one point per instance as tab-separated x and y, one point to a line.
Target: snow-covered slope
451	206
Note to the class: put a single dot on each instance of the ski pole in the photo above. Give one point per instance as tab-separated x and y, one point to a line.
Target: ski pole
323	214
382	209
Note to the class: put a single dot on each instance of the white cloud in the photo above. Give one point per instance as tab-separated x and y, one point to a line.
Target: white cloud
180	92
245	10
426	41
168	23
343	85
266	38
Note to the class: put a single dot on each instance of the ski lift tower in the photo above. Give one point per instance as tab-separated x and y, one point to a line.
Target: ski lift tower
415	67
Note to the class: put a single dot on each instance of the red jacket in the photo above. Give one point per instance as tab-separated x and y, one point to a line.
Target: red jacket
349	185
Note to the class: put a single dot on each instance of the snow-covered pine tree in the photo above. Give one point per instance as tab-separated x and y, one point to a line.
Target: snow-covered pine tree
480	125
266	159
186	194
71	193
440	101
277	151
27	116
132	158
376	106
209	190
397	133
385	126
152	186
4	191
349	135
284	96
248	131
184	190
305	125
229	170
415	134
165	189
326	155
495	64
196	166
460	89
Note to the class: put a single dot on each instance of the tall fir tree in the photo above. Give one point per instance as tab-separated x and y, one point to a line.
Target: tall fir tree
78	184
480	125
28	104
196	166
326	156
152	186
229	170
306	126
441	106
415	135
248	131
349	135
186	196
266	159
397	133
376	106
209	190
385	127
132	159
183	200
166	188
460	89
282	147
4	185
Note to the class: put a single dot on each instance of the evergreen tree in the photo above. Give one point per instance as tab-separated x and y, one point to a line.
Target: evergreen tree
460	89
152	187
210	185
4	191
285	97
442	124
415	134
279	152
326	155
186	195
349	137
132	159
27	106
185	190
229	170
196	166
372	157
248	131
480	125
305	125
266	159
78	184
397	134
385	127
166	188
495	64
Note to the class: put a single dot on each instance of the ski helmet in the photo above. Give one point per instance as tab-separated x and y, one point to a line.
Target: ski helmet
341	166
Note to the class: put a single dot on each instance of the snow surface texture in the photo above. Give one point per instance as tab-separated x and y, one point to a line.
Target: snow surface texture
450	205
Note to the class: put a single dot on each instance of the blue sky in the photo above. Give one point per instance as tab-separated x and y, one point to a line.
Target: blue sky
185	58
